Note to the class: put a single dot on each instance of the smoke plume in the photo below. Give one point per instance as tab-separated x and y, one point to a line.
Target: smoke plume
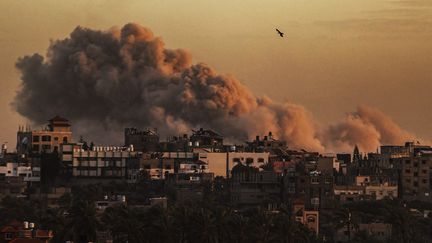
368	128
107	80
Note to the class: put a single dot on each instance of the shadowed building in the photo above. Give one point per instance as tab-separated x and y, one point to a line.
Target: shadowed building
142	140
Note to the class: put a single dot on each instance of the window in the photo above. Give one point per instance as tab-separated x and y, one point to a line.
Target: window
55	138
35	138
168	167
423	162
407	171
424	171
407	162
424	181
416	174
35	148
46	147
236	160
260	160
249	161
415	183
8	236
46	138
65	139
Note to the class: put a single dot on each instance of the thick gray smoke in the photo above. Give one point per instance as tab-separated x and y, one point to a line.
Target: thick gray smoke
106	80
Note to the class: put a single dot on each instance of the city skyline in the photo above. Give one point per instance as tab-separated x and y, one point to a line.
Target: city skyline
327	63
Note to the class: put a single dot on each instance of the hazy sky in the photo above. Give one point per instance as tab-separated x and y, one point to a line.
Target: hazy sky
336	54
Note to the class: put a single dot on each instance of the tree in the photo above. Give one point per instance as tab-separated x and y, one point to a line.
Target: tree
81	221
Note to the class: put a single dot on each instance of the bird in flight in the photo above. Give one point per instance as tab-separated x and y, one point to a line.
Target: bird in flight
280	33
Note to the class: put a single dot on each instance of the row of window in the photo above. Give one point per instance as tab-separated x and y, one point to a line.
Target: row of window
408	171
415	183
47	138
45	147
248	160
407	162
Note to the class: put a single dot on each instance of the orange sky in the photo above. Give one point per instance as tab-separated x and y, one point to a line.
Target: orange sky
336	54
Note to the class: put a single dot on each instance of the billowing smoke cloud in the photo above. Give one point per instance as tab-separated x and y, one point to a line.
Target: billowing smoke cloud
106	80
368	128
127	78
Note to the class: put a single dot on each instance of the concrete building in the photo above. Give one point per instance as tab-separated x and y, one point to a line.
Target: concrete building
379	231
222	163
309	218
316	190
382	191
347	194
416	175
206	138
189	186
253	188
101	162
48	139
25	171
142	140
266	144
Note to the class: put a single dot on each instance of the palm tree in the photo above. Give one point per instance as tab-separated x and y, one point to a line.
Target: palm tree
81	221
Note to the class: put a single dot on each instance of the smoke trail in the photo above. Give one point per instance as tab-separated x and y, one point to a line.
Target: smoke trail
106	80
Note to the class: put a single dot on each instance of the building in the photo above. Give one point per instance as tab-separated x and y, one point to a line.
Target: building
379	231
48	139
416	175
206	138
13	186
266	144
110	201
316	190
253	188
142	140
343	157
309	218
347	194
381	191
108	163
222	163
188	186
24	232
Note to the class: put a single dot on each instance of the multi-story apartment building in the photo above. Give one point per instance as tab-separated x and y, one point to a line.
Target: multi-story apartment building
48	139
101	162
253	188
416	173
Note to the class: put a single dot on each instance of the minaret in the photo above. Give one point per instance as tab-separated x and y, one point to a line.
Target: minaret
356	155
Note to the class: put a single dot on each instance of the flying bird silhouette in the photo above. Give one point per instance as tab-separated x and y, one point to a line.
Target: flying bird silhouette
280	33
